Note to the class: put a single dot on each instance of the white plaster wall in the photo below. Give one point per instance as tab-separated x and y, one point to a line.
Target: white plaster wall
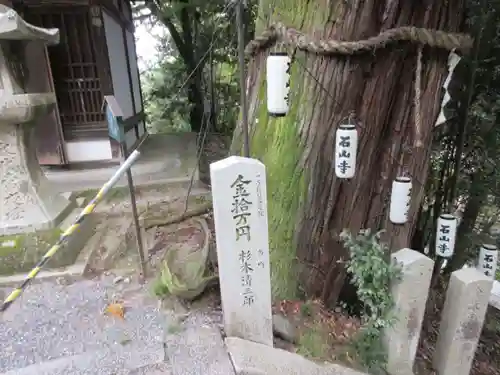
136	81
136	85
92	150
118	64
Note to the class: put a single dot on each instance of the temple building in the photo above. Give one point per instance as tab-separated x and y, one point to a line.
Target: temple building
96	56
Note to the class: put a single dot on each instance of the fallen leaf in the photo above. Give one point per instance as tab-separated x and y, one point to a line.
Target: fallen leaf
115	309
125	341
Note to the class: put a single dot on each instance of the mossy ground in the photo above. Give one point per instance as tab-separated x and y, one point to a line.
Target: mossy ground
115	194
19	253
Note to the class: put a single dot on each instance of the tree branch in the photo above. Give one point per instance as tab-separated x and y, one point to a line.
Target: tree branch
150	222
176	37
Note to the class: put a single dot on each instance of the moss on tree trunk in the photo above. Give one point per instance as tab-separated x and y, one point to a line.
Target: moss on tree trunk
308	205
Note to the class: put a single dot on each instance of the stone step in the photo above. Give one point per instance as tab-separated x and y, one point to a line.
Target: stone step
197	350
113	241
79	239
165	158
127	360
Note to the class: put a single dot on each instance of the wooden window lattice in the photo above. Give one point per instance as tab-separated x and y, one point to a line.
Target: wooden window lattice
75	71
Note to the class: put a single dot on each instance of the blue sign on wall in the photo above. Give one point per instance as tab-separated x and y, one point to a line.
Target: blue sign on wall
114	118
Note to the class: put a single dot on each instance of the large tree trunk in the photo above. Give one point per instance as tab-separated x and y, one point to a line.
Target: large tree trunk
308	205
195	97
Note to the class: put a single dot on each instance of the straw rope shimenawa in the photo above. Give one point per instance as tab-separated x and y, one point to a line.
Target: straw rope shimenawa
279	33
294	38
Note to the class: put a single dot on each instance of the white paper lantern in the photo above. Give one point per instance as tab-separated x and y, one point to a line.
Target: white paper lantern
278	83
446	233
488	259
346	148
400	200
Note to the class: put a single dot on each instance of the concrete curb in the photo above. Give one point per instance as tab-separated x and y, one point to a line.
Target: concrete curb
250	358
198	351
75	270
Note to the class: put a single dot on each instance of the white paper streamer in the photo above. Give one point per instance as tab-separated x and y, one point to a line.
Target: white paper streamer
453	60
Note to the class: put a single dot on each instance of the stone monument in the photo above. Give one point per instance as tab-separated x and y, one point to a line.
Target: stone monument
241	229
27	201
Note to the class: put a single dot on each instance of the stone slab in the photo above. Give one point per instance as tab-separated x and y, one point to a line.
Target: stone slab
198	351
251	358
410	297
461	321
241	228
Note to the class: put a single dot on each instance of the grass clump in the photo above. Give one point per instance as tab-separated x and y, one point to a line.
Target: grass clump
313	342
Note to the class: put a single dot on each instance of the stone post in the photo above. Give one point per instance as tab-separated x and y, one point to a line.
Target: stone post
461	321
410	297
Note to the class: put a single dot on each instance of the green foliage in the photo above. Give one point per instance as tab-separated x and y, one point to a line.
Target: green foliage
196	80
372	274
167	108
306	309
160	288
188	282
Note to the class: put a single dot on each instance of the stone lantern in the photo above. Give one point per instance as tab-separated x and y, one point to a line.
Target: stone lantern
27	201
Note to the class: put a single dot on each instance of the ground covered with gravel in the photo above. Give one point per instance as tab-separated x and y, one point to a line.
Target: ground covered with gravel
66	319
